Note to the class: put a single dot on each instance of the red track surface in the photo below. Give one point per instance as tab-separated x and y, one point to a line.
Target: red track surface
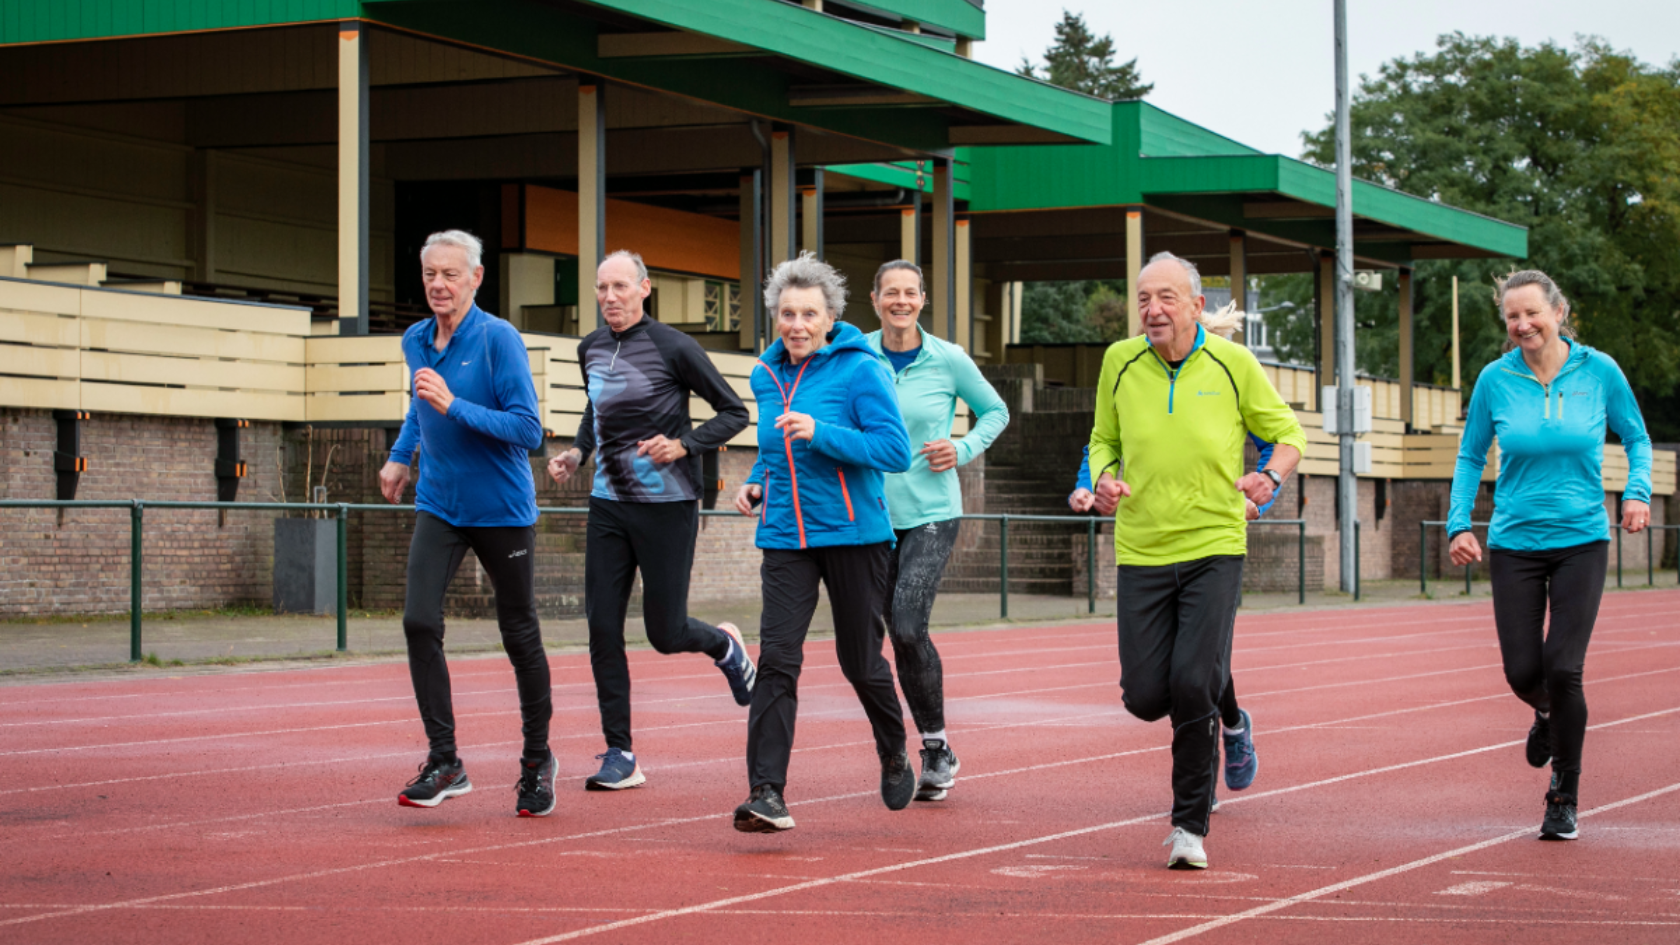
1393	804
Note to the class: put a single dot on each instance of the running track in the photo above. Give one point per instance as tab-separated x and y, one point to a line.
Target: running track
1393	804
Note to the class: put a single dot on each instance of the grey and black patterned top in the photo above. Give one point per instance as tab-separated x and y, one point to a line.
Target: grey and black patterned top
639	381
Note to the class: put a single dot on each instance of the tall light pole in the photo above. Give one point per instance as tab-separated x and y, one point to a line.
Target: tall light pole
1347	487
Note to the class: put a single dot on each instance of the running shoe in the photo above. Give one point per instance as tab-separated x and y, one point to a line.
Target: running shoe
1187	852
898	781
536	786
437	782
617	772
1539	741
737	666
763	812
939	770
1560	818
1241	763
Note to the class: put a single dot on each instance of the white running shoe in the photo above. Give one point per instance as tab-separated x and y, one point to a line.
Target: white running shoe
1187	852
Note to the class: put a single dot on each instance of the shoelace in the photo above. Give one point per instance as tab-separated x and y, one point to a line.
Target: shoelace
428	771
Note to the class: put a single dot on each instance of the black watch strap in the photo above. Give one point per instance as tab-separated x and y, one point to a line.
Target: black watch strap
1272	474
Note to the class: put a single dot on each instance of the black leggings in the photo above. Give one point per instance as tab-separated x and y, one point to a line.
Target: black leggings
856	578
1544	667
434	555
918	562
657	538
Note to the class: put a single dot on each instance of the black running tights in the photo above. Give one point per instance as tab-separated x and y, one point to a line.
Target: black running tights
918	562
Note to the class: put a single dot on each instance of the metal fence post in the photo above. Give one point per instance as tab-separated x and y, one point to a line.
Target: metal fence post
1423	558
136	597
1356	559
343	578
1003	566
1618	556
1300	562
1467	580
1091	566
1650	557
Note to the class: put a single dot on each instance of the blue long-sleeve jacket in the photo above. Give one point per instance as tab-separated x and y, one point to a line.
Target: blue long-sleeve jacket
1084	480
475	469
827	490
1550	490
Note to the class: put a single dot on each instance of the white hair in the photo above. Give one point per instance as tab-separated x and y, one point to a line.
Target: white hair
460	239
807	272
1189	269
641	267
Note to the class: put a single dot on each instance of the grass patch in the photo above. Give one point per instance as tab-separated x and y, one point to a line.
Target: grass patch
228	612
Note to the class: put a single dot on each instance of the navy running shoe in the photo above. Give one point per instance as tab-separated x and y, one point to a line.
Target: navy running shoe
1241	763
438	781
617	773
536	786
737	665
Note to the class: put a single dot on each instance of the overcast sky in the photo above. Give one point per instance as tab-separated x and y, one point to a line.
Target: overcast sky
1261	71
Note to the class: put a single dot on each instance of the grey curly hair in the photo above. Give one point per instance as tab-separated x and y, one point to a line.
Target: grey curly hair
807	272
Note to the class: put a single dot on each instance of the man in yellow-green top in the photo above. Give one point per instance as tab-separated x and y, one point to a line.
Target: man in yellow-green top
1174	407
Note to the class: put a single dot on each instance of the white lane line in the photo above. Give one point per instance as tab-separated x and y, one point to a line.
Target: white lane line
1323	891
1084	831
1472	889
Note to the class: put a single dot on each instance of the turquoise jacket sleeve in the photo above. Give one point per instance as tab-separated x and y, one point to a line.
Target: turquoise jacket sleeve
878	440
1621	414
1473	447
991	413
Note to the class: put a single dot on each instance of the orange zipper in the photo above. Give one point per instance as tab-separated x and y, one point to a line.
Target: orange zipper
845	492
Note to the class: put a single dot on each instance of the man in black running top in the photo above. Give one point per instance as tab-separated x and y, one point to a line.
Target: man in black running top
644	508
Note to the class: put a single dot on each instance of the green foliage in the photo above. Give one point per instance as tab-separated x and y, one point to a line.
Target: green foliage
1582	146
1078	60
1064	312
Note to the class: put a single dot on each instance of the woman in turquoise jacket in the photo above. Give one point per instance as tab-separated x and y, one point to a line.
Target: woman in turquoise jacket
828	430
1548	402
929	375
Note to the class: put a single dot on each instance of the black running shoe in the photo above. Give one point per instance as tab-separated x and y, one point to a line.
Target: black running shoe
939	770
763	812
898	781
1540	741
437	782
536	786
1560	818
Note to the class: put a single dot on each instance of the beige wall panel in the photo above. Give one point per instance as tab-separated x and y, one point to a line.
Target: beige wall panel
298	254
79	224
40	393
178	402
319	379
33	297
75	158
560	348
145	338
192	372
39	362
372	349
566	400
195	313
36	329
324	408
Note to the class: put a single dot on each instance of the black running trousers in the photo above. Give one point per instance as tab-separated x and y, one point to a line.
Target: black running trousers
1545	667
917	564
658	538
1175	623
434	555
856	578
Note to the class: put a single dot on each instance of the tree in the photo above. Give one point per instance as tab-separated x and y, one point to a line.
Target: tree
1581	145
1073	312
1078	60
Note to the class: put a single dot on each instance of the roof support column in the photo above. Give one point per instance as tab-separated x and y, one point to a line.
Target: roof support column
910	231
592	197
1239	281
943	277
1407	374
964	295
352	179
1324	267
1016	290
811	216
782	193
752	261
1134	266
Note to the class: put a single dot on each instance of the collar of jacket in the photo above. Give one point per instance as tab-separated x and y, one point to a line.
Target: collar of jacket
469	324
1201	339
1513	362
641	325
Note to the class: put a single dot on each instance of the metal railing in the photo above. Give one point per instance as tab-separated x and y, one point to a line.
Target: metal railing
340	512
1650	553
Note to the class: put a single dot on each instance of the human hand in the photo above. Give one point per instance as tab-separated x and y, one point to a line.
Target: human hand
1081	500
393	479
747	497
561	466
1257	487
797	426
1252	511
1464	549
430	387
1635	516
941	454
661	449
1109	493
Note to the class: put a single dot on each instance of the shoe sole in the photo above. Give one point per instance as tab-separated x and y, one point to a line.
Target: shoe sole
1573	834
749	822
405	801
636	777
734	633
1185	863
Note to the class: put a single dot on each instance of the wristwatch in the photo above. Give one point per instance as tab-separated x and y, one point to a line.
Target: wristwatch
1272	474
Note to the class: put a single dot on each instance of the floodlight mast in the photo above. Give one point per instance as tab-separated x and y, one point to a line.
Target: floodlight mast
1347	487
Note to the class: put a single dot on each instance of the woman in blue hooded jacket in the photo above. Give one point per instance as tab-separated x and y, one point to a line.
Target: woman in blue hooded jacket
1548	401
828	430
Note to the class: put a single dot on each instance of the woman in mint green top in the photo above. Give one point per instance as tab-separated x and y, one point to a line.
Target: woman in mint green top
929	375
1548	401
